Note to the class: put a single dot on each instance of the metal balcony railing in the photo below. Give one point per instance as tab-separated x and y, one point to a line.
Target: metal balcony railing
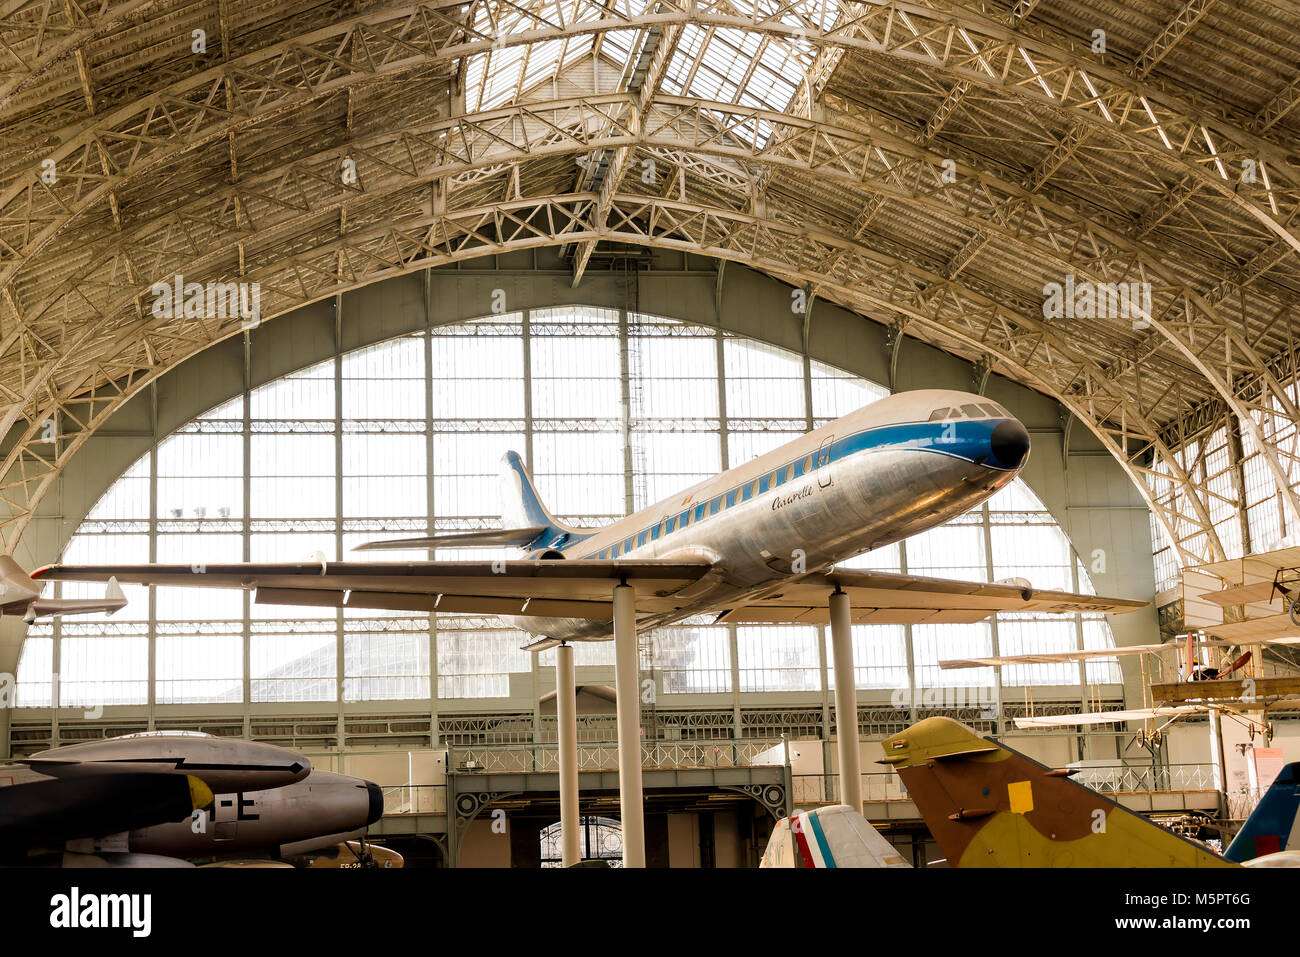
603	756
415	799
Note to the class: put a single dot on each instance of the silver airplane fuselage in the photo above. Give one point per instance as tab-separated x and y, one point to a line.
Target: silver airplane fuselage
902	465
321	810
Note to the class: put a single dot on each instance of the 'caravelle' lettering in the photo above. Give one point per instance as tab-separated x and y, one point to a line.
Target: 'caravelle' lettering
792	497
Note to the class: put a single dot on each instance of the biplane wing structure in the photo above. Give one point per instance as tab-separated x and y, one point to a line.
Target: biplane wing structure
1250	600
1051	657
1105	717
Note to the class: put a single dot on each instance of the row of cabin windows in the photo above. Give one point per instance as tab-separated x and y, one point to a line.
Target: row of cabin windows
722	502
984	410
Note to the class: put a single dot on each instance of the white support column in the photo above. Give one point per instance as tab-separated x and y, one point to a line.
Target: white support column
566	716
628	705
846	702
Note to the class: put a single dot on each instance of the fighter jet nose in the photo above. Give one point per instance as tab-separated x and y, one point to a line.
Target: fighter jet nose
1009	444
376	803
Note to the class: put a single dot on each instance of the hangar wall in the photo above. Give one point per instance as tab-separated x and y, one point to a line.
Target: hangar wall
1085	490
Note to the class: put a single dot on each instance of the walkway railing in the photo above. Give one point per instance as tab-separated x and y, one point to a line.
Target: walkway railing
603	756
415	799
825	788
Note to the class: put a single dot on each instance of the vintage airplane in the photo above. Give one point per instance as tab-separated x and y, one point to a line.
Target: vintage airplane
64	799
158	798
1226	689
988	805
834	836
350	855
317	812
47	805
756	544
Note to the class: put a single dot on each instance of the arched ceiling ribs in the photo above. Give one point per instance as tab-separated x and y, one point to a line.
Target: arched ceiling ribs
54	31
283	202
860	277
102	154
1027	63
976	199
644	75
153	187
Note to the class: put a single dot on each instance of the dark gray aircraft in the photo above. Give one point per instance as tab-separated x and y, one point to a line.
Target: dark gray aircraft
319	812
47	804
157	798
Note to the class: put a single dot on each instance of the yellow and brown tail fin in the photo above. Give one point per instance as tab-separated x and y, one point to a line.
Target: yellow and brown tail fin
990	806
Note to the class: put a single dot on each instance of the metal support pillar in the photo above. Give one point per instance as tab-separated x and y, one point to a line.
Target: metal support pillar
846	702
628	705
566	716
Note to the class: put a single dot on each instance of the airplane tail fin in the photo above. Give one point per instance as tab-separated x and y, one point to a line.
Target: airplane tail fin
832	836
990	806
15	583
525	522
1275	823
521	506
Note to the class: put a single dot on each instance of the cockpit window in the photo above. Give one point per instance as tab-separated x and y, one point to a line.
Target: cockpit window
938	414
992	410
974	411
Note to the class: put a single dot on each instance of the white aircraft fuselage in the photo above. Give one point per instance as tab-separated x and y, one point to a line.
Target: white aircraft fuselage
902	465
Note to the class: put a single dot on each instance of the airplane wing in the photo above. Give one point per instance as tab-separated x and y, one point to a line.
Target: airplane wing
582	589
1051	657
1105	717
891	598
64	805
545	588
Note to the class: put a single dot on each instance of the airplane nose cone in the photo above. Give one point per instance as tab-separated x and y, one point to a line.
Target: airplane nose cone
1009	444
376	803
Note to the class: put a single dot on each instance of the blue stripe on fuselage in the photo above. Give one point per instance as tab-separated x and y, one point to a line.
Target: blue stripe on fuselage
966	439
827	857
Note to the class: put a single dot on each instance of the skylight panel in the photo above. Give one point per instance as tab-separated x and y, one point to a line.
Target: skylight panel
502	73
678	72
616	45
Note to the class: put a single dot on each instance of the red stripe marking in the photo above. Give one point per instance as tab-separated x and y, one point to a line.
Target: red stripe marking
796	825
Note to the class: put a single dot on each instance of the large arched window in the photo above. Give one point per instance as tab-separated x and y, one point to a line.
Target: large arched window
612	410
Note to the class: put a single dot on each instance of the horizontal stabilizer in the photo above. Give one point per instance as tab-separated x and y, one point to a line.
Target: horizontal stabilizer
112	601
484	538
